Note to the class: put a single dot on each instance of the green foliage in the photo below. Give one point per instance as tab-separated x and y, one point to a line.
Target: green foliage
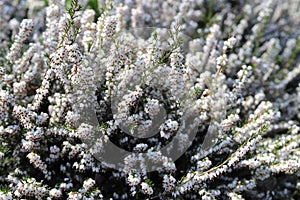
4	189
93	4
149	182
294	55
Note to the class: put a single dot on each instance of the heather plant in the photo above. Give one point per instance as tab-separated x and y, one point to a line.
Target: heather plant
149	99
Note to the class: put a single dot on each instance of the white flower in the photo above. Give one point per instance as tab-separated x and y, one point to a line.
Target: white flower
55	193
146	188
133	180
229	43
222	60
74	196
88	184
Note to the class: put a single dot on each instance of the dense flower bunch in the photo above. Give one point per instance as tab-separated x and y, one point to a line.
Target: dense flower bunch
219	77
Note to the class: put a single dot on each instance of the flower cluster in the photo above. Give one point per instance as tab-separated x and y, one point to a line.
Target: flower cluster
149	99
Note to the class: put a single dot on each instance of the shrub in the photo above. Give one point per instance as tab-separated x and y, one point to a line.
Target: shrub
149	99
